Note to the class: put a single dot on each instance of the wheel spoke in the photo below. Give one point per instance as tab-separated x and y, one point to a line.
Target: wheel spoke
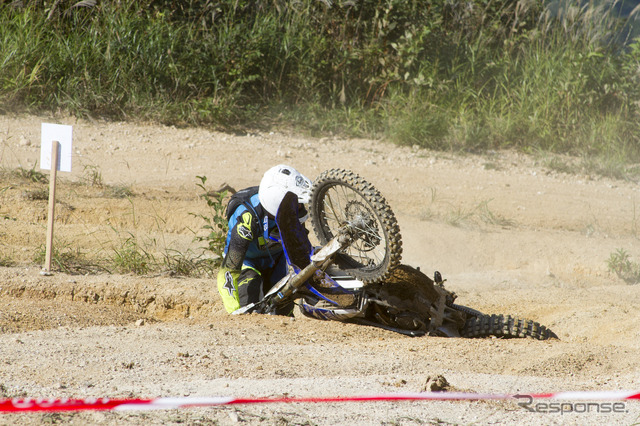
367	247
341	198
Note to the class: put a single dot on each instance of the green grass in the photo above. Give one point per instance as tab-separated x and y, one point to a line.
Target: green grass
92	176
68	259
465	76
28	175
620	263
6	261
132	257
119	191
189	264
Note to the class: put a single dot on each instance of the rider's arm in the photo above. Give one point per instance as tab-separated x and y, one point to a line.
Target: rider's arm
241	237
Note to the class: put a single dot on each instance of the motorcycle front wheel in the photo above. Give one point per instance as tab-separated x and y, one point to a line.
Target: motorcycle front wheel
342	198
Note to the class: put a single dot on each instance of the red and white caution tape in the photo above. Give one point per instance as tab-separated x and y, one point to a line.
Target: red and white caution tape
30	405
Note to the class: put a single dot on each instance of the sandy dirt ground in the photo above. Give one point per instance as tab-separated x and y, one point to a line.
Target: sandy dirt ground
510	236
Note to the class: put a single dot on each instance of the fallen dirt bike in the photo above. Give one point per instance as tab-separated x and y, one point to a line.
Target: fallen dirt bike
357	276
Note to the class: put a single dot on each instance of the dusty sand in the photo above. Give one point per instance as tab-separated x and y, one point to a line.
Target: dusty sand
509	235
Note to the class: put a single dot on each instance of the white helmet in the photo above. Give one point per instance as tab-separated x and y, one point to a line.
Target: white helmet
279	180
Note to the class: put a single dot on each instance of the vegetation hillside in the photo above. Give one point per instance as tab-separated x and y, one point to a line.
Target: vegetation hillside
470	75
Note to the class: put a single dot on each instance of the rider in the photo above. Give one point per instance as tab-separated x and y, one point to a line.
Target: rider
254	259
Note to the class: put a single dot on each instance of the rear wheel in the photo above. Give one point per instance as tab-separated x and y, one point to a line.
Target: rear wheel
341	197
505	326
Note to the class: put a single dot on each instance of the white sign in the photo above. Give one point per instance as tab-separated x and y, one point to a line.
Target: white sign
62	134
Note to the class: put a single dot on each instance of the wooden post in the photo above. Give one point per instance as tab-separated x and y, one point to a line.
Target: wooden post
55	147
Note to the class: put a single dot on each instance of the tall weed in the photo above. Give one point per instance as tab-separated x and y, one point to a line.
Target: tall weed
215	221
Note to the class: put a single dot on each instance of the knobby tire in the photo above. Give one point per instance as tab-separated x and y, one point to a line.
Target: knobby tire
505	326
329	211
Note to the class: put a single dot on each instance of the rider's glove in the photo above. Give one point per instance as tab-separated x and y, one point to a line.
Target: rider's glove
228	288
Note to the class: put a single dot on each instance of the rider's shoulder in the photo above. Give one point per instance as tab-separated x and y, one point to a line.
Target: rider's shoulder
245	200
